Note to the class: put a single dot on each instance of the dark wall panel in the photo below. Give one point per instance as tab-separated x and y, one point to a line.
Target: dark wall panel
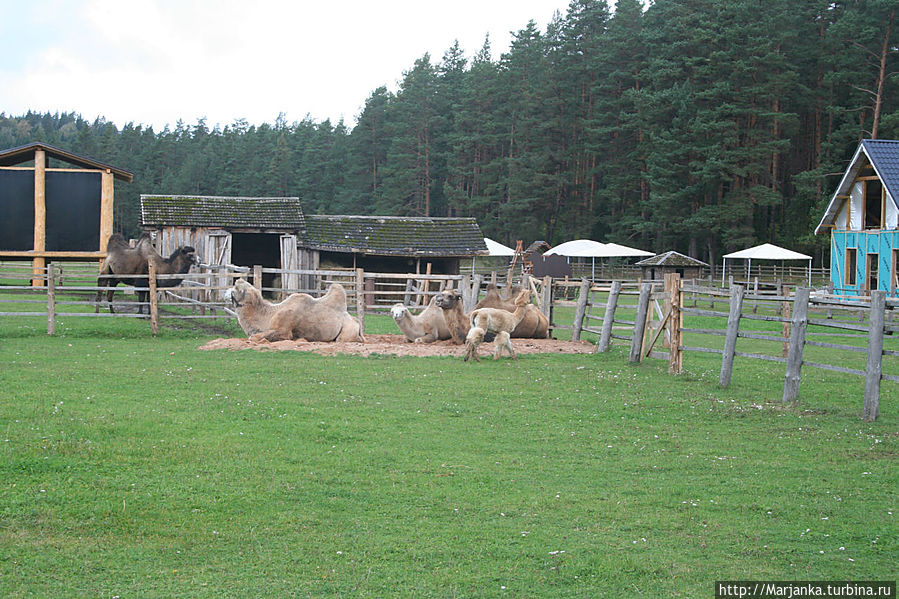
16	210
73	211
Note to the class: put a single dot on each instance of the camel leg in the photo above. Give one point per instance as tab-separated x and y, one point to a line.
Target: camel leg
502	341
472	341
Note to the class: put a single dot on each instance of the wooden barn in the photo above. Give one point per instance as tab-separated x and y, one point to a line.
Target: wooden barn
656	267
55	204
228	230
863	221
397	244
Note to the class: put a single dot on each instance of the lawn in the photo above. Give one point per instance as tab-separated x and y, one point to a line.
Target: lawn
138	466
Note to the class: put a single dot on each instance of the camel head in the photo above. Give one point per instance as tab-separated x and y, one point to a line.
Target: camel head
447	299
523	297
240	293
190	254
399	311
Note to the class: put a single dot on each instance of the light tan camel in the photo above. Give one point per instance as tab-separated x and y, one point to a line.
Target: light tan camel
534	325
300	316
426	327
486	321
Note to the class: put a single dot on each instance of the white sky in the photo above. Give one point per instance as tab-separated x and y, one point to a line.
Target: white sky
153	62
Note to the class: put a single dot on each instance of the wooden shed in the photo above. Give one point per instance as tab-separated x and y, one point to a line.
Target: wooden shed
53	211
656	267
397	244
245	231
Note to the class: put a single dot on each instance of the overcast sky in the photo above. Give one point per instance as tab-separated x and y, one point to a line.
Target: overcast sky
153	62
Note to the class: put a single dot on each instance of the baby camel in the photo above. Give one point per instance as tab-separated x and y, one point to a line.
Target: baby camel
486	321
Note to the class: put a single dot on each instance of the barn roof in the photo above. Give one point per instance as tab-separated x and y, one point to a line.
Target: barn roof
671	259
18	155
216	211
883	155
394	235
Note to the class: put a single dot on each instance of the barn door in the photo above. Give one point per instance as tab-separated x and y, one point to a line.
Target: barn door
290	281
218	253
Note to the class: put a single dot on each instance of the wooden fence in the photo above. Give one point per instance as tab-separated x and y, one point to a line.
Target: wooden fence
860	324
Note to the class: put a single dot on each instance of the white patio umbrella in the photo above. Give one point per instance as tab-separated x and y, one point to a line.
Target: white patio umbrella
495	249
587	248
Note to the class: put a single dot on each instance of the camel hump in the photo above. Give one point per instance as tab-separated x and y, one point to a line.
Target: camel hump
336	294
117	242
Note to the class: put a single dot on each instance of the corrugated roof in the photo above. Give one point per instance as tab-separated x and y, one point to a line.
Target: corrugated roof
883	154
394	235
671	259
216	211
20	154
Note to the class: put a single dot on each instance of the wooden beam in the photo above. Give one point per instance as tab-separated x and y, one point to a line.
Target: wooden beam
50	254
40	216
107	187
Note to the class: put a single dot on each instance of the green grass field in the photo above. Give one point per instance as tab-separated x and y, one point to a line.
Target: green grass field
138	466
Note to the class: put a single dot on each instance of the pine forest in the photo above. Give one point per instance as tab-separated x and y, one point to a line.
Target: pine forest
701	126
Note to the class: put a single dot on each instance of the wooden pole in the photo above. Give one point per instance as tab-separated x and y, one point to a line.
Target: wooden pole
154	308
360	298
605	337
730	341
675	356
874	366
257	276
640	323
107	193
797	345
547	298
51	299
40	216
582	298
785	328
465	289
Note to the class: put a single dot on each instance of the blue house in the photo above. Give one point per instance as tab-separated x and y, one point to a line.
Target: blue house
863	220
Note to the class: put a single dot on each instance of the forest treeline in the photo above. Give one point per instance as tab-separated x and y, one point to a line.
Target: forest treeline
696	125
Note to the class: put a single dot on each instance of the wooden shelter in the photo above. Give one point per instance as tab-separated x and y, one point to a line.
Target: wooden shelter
52	211
656	267
391	243
245	231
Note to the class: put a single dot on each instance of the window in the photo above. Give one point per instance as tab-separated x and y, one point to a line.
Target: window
851	265
873	274
873	204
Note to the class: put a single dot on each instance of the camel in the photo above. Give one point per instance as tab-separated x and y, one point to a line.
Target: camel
426	327
498	321
534	325
300	316
122	259
456	320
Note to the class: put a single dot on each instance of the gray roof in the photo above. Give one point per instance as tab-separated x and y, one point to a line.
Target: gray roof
227	212
883	154
394	235
671	259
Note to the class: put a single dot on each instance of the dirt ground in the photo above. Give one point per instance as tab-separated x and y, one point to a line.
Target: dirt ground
395	345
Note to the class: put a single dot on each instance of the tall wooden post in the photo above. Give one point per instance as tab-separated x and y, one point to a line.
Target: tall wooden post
51	299
797	345
733	329
107	192
360	298
582	298
674	324
257	276
605	337
640	323
874	366
154	308
40	216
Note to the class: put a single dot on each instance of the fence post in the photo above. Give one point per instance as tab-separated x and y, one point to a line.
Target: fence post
733	329
640	323
360	298
465	290
583	295
797	344
605	337
257	276
785	313
874	367
51	299
547	299
154	308
476	281
675	357
407	298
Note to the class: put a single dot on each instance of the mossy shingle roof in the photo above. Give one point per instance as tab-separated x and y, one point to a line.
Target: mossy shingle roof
671	259
394	235
215	211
